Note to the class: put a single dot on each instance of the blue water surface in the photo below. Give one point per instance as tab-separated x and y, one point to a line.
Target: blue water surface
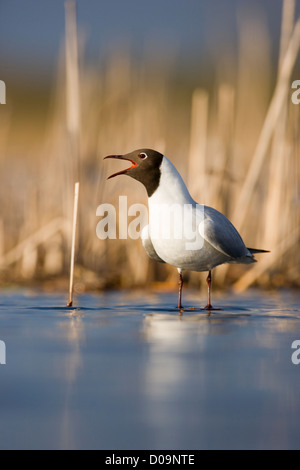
126	370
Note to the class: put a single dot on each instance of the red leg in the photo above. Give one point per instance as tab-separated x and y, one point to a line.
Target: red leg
208	281
180	284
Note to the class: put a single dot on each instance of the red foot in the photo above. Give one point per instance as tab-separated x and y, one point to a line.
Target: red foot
210	307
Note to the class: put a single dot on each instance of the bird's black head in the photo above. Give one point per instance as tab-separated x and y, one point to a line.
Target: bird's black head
145	167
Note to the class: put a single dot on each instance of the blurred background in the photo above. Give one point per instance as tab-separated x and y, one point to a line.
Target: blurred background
206	83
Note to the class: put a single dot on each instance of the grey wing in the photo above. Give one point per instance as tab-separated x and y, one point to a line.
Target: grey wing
147	244
217	230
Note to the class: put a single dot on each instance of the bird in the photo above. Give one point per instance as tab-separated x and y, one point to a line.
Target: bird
197	237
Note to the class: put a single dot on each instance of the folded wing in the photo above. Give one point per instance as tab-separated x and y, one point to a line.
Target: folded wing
217	230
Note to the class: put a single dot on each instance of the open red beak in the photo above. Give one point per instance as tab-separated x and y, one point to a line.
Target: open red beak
120	157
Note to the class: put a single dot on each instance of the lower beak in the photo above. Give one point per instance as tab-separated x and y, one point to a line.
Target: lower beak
120	157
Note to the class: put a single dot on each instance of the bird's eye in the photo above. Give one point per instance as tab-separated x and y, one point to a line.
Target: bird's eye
143	155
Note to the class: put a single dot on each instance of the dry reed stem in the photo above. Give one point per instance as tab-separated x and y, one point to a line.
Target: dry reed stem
222	167
72	117
75	212
280	94
72	101
250	276
279	196
1	238
287	23
223	184
274	206
72	70
40	236
197	148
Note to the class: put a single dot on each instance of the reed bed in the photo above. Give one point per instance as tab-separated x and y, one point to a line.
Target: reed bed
235	142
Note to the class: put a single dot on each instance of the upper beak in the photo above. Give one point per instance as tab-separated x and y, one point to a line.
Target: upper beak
121	157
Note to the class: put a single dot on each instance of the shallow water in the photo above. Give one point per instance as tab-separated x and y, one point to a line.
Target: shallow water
126	371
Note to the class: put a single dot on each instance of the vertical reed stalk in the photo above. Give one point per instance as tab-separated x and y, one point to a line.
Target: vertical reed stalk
198	140
287	24
72	76
72	117
275	108
280	154
75	211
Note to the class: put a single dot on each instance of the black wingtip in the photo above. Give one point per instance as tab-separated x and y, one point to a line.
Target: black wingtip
255	250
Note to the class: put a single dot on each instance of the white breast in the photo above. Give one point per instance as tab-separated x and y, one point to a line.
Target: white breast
174	219
178	225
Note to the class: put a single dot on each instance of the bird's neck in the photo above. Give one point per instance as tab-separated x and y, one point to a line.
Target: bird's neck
171	188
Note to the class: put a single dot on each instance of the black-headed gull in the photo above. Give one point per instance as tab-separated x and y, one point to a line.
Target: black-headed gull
180	232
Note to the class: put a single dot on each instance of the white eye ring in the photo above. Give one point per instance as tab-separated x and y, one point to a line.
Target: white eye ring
143	155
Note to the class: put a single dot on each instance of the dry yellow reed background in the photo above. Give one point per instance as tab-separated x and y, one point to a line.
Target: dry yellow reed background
236	143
